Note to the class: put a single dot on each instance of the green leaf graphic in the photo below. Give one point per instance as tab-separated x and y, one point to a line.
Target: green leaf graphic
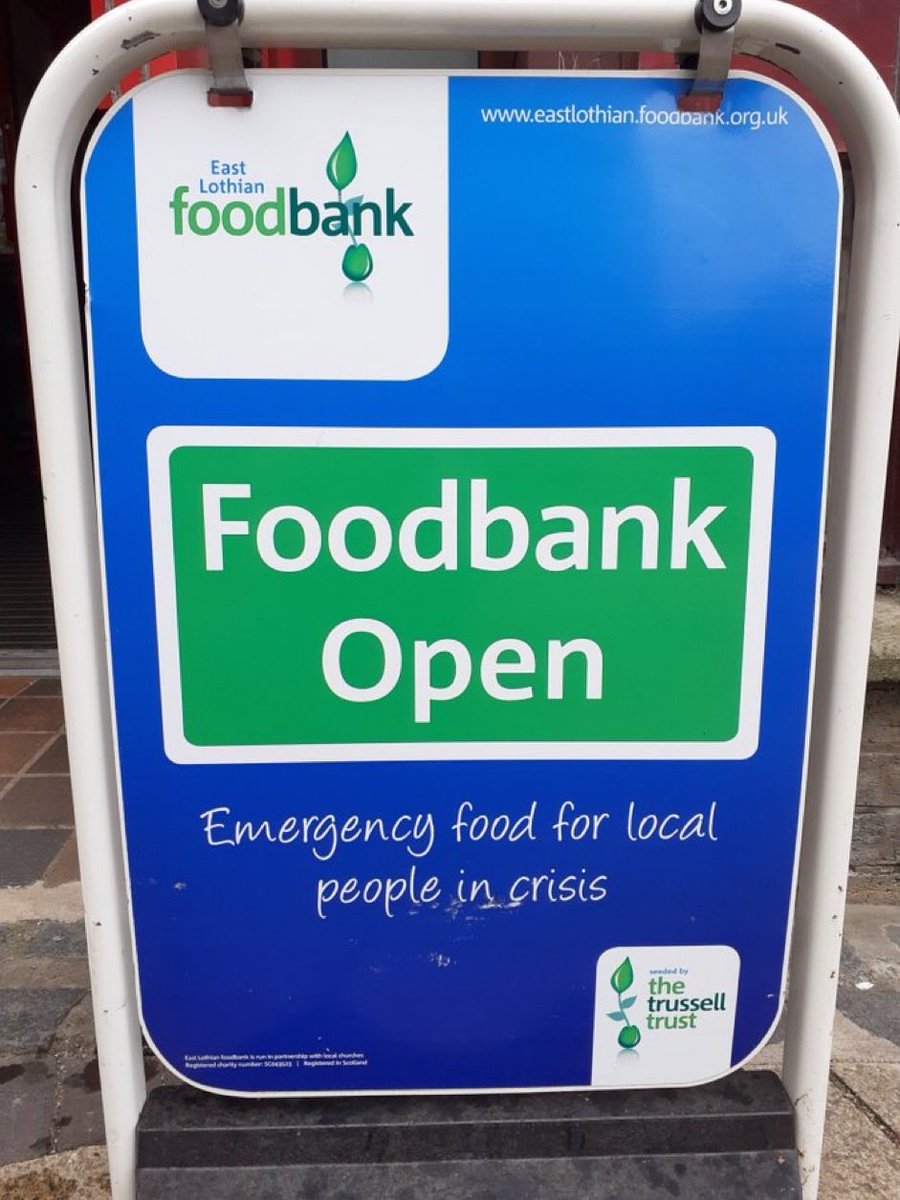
341	167
357	264
629	1037
622	977
628	1003
616	1016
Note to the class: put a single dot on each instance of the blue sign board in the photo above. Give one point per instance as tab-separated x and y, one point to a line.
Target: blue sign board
460	445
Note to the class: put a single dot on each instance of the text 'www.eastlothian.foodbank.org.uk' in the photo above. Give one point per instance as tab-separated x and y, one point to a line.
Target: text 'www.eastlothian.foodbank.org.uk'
607	114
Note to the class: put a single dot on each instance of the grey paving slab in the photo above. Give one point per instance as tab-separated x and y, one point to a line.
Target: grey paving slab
74	1046
43	939
859	1162
78	1119
878	1086
39	903
26	1110
64	868
44	973
25	854
851	1044
29	1017
870	1000
874	932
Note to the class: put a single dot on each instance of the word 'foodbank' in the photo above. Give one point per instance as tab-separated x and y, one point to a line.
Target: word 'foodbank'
290	212
452	536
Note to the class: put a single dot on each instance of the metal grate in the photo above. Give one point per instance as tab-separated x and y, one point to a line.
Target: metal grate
26	603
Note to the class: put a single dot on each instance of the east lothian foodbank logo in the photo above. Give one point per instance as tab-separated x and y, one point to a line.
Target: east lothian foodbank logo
621	981
291	213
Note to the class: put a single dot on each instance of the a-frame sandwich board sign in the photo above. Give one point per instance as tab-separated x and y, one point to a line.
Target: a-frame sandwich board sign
400	423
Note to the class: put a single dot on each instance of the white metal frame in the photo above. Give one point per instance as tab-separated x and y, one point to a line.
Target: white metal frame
128	37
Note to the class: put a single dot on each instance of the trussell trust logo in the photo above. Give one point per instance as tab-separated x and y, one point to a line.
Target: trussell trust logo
664	1014
670	1004
292	213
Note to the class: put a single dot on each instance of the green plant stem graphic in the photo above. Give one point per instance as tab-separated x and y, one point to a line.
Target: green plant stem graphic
353	240
621	980
341	171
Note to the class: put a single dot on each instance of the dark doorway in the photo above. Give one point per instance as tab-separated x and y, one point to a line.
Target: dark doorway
31	34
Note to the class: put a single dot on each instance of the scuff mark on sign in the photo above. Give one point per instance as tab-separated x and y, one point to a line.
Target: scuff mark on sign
138	40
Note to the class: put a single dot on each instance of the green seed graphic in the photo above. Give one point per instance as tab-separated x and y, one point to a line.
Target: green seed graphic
341	167
629	1037
357	263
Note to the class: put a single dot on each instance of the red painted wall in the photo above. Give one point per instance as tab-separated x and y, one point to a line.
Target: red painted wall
873	24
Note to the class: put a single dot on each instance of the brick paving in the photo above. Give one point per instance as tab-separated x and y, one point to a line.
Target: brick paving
38	842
